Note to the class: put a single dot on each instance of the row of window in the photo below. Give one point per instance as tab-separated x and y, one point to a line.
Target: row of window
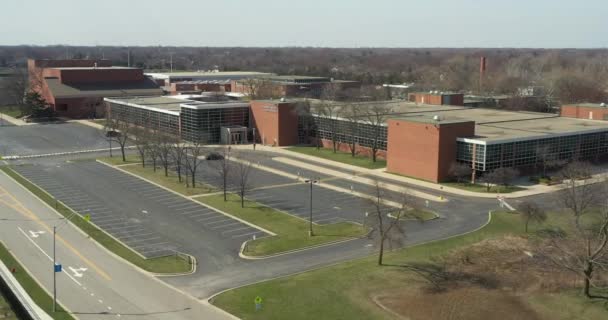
532	152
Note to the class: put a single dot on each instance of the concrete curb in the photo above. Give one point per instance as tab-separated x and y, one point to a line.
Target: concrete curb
186	197
28	304
99	245
14	121
210	299
18	157
247	257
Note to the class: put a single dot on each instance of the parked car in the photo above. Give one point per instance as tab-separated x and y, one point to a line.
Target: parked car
214	156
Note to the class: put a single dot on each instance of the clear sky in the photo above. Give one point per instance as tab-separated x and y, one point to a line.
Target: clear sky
325	23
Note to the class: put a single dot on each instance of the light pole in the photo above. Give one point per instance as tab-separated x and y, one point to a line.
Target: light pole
54	272
310	182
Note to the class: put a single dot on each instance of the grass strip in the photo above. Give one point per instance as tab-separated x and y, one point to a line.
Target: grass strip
339	156
292	232
38	295
158	177
343	291
168	264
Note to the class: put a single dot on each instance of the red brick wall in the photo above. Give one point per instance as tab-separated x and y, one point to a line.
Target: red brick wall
265	119
456	99
424	150
413	149
447	145
276	123
79	107
288	124
574	111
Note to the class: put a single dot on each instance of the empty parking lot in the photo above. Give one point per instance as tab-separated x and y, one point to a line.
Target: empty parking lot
151	220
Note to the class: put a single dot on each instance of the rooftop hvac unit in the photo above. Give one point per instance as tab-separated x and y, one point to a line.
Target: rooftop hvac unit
283	99
436	117
602	104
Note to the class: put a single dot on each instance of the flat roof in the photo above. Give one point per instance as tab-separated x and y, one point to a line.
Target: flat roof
588	105
206	74
94	68
102	89
535	129
173	105
491	125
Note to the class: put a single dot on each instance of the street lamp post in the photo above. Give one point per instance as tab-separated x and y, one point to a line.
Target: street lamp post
54	271
310	182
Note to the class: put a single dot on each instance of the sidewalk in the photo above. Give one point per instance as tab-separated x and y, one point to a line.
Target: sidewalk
15	121
381	173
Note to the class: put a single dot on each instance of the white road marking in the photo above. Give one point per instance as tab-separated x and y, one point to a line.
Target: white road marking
50	258
100	301
36	234
78	272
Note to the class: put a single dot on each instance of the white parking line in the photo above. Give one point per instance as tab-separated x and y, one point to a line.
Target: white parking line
237	229
226	225
246	234
211	218
218	221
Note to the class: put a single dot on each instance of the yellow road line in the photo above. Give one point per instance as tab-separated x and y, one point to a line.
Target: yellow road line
19	207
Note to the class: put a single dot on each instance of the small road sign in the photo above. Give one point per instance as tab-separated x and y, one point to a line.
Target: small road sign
258	303
58	267
87	217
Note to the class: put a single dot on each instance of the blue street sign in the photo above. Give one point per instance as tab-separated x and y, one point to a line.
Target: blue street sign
57	268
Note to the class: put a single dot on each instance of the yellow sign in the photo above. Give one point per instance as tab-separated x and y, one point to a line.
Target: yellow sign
87	217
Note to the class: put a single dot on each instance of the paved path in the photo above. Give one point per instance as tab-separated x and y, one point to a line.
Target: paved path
382	174
94	283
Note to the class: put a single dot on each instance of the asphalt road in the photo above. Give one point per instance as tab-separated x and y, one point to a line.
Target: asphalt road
94	284
149	219
49	138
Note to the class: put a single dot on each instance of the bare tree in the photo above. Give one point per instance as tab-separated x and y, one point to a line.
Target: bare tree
241	177
460	171
530	211
16	88
503	176
352	115
141	140
193	156
387	222
330	111
178	154
584	250
165	144
118	130
377	114
223	169
578	195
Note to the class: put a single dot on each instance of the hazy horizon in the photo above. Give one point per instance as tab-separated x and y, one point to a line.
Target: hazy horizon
541	24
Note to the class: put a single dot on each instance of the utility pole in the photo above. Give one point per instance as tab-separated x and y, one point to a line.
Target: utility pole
310	182
171	61
128	57
54	272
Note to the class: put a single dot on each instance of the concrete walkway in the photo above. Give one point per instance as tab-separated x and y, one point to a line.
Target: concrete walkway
15	121
381	173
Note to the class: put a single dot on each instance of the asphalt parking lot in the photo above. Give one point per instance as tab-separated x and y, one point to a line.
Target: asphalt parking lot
293	196
151	220
49	138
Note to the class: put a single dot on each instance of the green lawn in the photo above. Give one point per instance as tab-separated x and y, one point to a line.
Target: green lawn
292	232
116	159
12	111
343	291
42	299
481	188
344	157
6	313
169	264
158	177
